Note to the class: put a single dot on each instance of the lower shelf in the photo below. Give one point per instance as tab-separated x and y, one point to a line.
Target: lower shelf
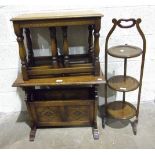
121	110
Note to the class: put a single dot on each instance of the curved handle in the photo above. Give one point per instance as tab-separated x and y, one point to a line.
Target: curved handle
126	20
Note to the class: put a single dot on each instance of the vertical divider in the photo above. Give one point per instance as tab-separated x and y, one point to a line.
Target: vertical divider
54	46
97	27
65	46
90	42
29	47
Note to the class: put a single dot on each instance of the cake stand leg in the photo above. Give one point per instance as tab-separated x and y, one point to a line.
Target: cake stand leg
103	122
135	123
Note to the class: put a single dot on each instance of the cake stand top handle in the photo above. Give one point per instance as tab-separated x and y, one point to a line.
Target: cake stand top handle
132	20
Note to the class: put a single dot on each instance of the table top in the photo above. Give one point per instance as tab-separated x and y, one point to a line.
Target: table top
57	15
61	81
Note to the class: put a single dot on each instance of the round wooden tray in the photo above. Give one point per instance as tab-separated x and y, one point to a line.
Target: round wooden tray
123	84
124	51
121	110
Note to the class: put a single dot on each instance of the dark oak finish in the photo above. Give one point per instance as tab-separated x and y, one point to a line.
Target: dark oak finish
22	52
62	101
29	47
124	51
65	46
124	83
91	42
64	81
53	46
61	90
121	110
60	65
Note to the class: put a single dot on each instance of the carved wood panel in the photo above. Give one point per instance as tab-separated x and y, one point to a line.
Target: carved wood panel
63	111
48	114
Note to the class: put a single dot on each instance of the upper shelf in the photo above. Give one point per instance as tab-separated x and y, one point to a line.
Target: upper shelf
57	15
124	51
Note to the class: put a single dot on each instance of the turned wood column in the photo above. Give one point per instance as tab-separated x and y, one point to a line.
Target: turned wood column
53	46
90	42
29	47
65	46
96	46
95	128
22	52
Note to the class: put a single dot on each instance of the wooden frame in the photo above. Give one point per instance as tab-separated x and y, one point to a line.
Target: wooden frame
128	83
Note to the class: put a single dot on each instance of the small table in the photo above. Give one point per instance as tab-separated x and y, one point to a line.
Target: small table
58	65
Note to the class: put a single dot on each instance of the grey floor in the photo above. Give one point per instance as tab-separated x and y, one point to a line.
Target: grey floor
15	133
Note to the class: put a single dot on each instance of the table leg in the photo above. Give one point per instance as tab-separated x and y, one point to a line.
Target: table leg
95	128
96	46
33	133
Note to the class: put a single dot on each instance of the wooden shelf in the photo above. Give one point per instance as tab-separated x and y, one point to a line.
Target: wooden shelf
73	59
121	110
124	51
123	84
60	81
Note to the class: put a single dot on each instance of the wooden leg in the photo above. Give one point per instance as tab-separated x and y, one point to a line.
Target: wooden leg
53	46
90	42
103	121
95	129
95	132
105	107
96	46
134	126
28	99
33	133
65	47
29	47
22	51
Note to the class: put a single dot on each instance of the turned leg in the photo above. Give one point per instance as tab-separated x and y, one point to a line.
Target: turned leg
28	99
95	128
97	47
65	46
90	42
29	47
53	46
22	52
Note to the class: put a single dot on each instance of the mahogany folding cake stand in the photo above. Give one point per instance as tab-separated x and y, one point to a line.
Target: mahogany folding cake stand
123	109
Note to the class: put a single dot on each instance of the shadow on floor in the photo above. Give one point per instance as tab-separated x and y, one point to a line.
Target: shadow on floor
113	123
24	117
